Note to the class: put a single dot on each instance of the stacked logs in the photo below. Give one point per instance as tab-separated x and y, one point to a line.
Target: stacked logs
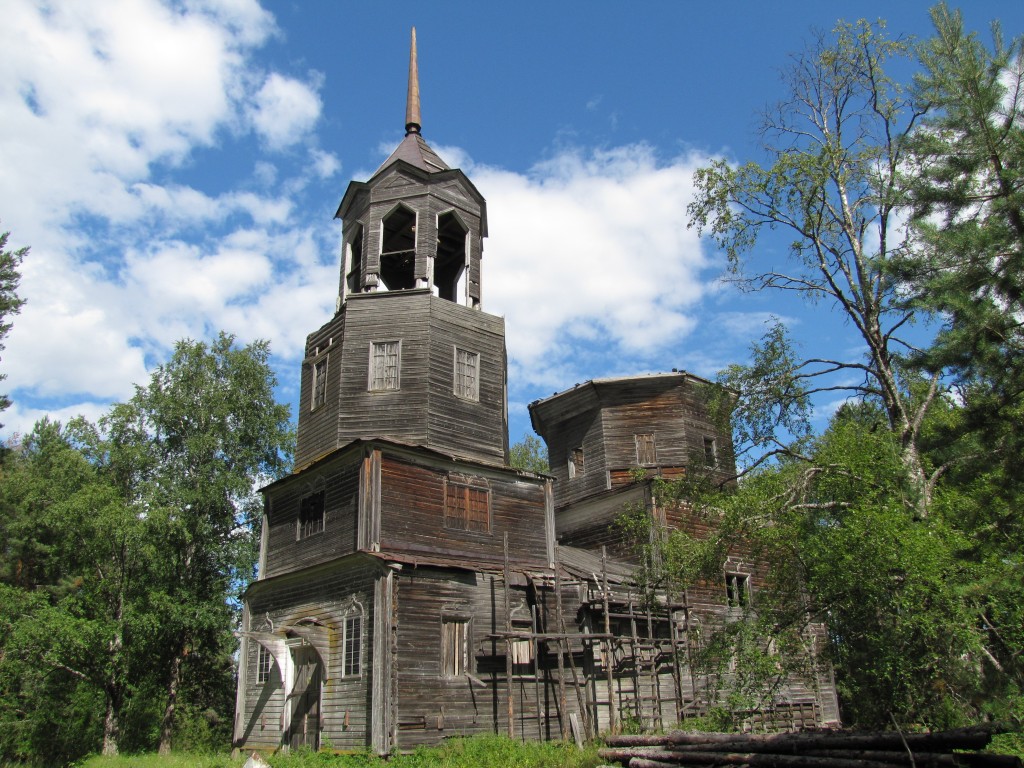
813	749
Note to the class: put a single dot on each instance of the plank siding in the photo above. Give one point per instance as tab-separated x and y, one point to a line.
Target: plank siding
580	431
604	417
463	427
413	507
424	410
396	414
317	428
325	601
594	523
434	706
407	477
339	479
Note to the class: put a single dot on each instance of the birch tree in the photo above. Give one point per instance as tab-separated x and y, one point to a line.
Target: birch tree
832	183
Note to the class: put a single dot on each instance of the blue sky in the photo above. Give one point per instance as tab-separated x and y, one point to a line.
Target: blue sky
175	168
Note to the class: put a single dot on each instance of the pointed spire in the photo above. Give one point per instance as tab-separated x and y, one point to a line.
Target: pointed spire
412	101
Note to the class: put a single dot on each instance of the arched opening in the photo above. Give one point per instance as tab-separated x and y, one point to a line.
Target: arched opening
354	274
450	262
398	249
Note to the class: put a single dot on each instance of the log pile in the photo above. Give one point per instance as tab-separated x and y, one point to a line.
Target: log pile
810	749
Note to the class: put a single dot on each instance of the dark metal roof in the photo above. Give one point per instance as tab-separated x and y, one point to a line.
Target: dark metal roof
416	152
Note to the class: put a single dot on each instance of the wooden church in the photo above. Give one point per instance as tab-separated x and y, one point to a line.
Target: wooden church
412	586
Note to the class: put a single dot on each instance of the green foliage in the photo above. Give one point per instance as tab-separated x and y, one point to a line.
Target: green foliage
468	752
498	750
832	181
10	302
899	525
771	417
175	760
964	174
121	548
529	454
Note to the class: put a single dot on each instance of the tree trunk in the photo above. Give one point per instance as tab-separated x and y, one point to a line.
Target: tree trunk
167	723
111	728
114	687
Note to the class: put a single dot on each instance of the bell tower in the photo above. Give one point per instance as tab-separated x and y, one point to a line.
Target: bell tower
409	355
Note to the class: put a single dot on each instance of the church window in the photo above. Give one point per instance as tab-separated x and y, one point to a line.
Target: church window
385	358
353	645
319	383
264	663
737	589
450	261
467	374
311	515
467	506
455	634
576	463
353	278
398	249
646	455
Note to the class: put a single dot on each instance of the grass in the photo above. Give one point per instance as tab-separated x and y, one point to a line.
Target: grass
469	752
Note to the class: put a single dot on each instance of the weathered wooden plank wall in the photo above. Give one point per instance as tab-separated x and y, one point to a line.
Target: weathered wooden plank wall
339	478
336	592
412	513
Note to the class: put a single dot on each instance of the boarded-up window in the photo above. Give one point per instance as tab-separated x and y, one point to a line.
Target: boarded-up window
353	645
319	383
576	463
710	452
311	515
264	663
737	589
467	374
523	651
467	506
646	455
385	358
455	646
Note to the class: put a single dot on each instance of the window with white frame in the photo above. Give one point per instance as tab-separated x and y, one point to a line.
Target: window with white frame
467	374
385	361
353	654
264	663
523	650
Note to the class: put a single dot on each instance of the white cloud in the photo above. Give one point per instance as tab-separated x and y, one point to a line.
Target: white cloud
325	164
606	259
106	106
96	91
104	103
284	110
